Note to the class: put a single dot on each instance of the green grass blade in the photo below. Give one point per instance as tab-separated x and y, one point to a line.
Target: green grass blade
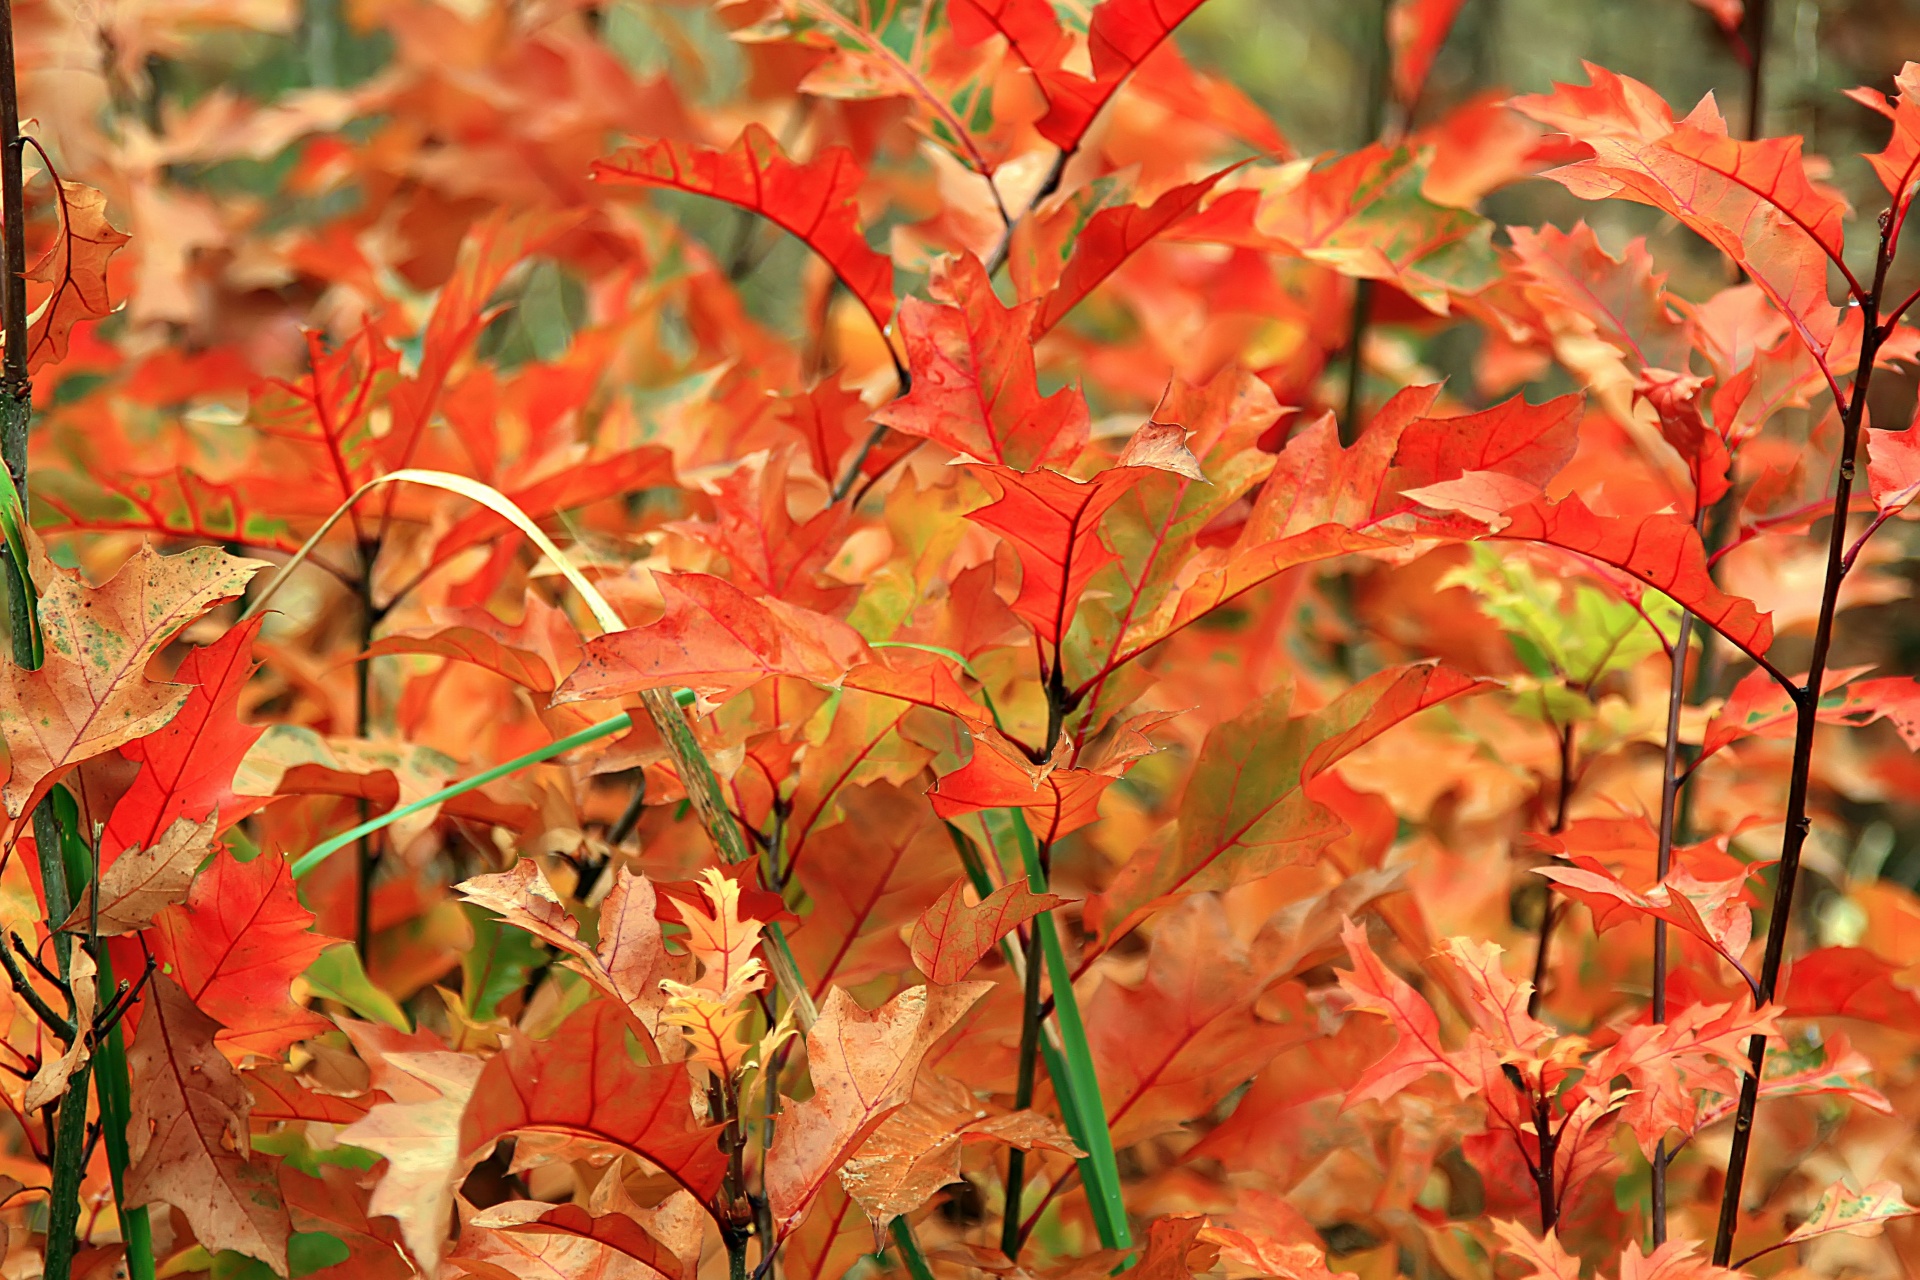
1071	1065
113	1085
313	857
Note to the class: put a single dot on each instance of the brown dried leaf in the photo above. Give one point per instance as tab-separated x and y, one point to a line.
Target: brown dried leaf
91	695
51	1081
189	1133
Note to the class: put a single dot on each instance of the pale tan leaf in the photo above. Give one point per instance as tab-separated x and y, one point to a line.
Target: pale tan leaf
1864	1213
1162	446
421	1140
51	1081
140	882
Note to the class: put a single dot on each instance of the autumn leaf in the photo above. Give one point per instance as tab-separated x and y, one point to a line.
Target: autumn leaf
1865	1213
142	882
1056	800
1893	468
864	1066
1759	707
1752	200
92	694
585	1083
1662	551
187	767
629	958
419	1134
1111	236
916	1150
1417	1051
815	201
189	1135
1054	520
1120	35
952	935
1245	813
1713	911
76	268
236	945
716	639
55	1076
1668	1065
1416	32
1207	1038
1364	215
616	1232
974	381
1544	1256
1896	164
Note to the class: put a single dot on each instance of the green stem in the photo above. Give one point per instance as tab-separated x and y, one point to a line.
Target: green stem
909	1248
1078	1081
63	1203
112	1083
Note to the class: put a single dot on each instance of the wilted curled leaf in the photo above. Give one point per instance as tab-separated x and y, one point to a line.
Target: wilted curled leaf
55	1076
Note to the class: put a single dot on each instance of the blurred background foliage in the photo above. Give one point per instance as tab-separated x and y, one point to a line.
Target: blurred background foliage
1316	67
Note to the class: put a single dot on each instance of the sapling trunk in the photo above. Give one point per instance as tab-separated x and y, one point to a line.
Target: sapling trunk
1806	699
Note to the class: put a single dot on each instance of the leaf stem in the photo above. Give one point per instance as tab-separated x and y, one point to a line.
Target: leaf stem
112	1084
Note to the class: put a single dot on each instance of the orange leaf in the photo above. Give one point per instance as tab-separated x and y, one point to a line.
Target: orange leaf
235	947
816	201
974	389
585	1083
716	639
863	1067
952	935
1751	200
76	267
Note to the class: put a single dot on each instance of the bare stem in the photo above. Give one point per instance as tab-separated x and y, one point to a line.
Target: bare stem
1548	914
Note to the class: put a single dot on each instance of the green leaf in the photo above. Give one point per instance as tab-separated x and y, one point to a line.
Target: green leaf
497	964
1573	630
337	975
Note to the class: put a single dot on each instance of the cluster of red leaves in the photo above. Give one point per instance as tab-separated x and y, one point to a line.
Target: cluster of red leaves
1030	600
